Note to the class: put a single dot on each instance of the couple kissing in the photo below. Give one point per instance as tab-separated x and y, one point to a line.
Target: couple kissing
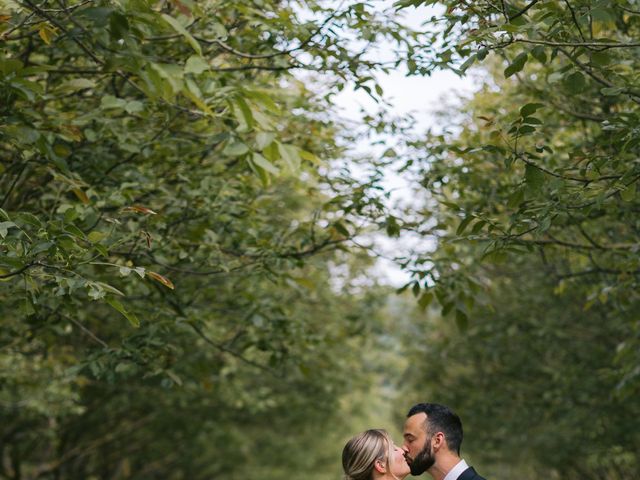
432	438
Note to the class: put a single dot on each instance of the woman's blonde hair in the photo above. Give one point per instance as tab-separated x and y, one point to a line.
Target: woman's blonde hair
362	451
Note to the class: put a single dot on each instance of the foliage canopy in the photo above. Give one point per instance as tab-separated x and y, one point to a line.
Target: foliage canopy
171	204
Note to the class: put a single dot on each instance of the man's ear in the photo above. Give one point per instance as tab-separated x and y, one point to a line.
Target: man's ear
439	441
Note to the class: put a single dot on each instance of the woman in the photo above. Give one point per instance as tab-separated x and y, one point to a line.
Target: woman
373	456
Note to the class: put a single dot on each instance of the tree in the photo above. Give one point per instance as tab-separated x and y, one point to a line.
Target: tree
533	377
531	197
169	216
544	159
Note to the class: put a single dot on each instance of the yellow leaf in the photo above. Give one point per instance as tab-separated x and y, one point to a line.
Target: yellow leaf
46	34
139	209
182	7
71	131
82	196
162	279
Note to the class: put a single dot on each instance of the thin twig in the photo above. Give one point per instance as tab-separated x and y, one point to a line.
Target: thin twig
13	184
6	34
87	331
229	351
575	20
49	18
523	11
586	181
589	45
19	271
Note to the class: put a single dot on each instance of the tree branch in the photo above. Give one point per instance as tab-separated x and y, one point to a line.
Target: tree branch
575	20
523	11
229	351
43	14
590	45
585	181
19	271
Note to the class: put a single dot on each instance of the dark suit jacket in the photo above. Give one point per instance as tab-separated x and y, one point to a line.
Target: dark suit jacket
470	474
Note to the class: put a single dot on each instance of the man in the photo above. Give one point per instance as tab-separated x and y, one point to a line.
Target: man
432	438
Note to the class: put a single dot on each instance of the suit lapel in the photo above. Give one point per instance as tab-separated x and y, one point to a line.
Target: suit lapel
468	474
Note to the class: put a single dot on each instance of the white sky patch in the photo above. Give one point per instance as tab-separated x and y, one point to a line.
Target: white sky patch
419	97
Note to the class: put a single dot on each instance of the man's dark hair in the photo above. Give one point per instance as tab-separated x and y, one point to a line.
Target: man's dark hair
441	419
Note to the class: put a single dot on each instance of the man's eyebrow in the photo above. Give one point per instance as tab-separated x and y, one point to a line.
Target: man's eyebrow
407	435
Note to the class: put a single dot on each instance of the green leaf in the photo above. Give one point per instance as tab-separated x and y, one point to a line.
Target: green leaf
462	321
10	65
263	163
468	62
134	106
463	224
196	65
30	219
544	224
392	226
75	231
109	101
516	198
178	27
575	82
78	84
98	15
477	227
309	157
290	156
23	134
109	288
538	52
530	108
118	25
264	139
96	236
532	121
235	148
120	308
192	91
629	193
264	100
172	74
243	114
271	152
4	228
611	91
603	14
447	308
340	228
526	129
425	299
517	65
534	177
601	59
102	250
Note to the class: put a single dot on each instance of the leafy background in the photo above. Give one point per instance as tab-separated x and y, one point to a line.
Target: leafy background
187	236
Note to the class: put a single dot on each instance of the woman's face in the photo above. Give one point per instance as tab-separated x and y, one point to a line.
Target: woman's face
398	466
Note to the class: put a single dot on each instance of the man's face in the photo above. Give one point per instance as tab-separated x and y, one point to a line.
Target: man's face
417	444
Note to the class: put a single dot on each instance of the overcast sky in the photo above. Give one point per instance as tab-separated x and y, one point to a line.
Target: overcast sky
420	96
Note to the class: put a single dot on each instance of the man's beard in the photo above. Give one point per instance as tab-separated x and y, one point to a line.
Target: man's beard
423	461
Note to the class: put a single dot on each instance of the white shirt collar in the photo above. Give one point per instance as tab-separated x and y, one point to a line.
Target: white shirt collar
455	472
